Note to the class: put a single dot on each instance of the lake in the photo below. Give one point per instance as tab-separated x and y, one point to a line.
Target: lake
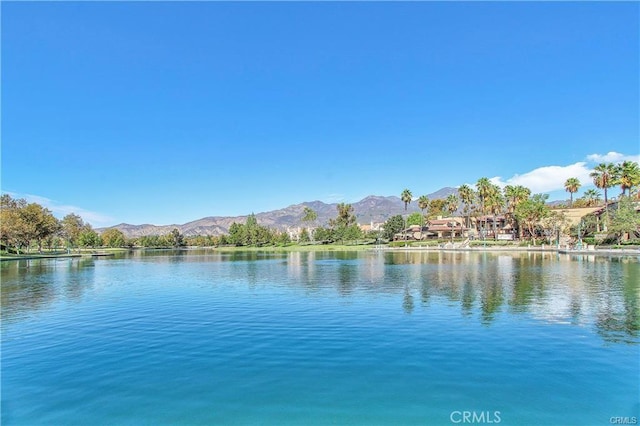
304	338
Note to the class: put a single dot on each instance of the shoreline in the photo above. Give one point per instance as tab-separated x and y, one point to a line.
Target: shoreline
603	252
325	248
54	256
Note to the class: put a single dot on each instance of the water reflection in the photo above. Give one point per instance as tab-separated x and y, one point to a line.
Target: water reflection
27	285
584	291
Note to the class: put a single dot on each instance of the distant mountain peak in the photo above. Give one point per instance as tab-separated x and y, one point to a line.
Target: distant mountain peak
373	208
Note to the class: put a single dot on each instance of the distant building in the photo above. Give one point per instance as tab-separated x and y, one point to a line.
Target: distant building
434	229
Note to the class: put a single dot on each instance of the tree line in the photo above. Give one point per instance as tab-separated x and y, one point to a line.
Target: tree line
24	226
530	213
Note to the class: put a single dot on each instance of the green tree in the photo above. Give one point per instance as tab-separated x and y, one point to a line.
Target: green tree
415	219
392	226
343	224
531	211
11	223
304	236
626	219
282	238
72	225
236	234
89	238
571	186
37	224
113	237
323	234
437	207
175	238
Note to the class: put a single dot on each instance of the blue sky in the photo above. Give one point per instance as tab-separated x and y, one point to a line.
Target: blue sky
166	112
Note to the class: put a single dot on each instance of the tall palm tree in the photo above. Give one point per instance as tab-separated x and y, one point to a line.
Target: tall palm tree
627	175
483	186
309	216
406	197
423	203
494	204
571	186
603	177
452	205
467	196
514	196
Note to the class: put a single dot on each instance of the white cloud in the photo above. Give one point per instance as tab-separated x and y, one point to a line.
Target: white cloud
548	178
61	210
552	178
612	157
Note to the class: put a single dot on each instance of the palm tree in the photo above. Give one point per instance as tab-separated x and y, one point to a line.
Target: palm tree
592	196
571	186
494	204
515	195
310	216
627	175
467	196
423	203
483	187
452	206
603	177
406	197
452	203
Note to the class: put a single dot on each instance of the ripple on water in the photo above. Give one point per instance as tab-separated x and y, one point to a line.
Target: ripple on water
310	338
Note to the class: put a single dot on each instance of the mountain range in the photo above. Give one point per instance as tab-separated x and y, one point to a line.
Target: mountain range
373	208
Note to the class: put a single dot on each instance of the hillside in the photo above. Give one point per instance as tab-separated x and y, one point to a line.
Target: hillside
373	208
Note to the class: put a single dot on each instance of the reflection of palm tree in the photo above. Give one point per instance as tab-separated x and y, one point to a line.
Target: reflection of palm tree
407	301
571	186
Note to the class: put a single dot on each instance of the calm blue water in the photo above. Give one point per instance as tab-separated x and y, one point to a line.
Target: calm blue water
320	338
